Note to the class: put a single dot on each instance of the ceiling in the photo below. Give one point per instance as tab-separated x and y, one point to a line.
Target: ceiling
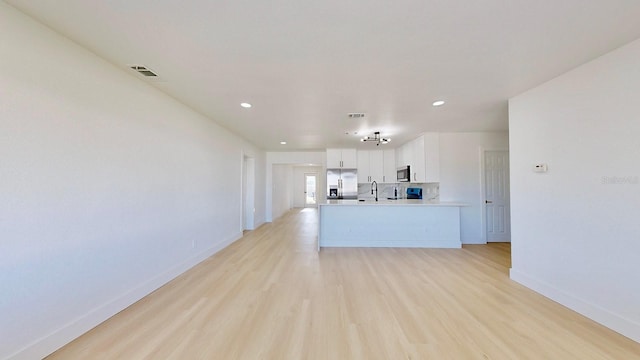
304	65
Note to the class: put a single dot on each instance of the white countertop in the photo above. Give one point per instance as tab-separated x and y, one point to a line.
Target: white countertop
385	202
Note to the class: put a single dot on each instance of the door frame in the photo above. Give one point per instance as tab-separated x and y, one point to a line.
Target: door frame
248	190
483	191
304	179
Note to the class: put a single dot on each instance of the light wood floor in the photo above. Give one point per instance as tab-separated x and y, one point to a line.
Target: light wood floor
270	295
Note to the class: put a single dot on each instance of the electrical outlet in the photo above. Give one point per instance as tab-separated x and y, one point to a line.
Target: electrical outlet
540	168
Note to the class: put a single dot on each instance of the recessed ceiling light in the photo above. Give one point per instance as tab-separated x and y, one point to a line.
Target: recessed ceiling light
438	103
245	105
283	143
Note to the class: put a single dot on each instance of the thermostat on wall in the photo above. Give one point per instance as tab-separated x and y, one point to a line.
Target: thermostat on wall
541	168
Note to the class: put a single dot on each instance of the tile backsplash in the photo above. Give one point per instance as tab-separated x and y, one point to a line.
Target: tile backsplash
430	191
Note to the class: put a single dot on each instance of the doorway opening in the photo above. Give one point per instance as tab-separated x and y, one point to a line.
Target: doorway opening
310	190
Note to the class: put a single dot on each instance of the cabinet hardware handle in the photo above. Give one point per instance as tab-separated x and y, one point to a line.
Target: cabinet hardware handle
488	202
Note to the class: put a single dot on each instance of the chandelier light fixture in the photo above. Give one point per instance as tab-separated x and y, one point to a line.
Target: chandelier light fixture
376	138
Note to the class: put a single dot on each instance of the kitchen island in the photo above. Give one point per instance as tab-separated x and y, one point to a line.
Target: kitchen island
389	223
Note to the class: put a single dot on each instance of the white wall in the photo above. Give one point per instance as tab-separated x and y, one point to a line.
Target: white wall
460	176
109	188
576	228
282	189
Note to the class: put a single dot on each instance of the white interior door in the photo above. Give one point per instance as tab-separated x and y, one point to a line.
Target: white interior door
496	180
310	190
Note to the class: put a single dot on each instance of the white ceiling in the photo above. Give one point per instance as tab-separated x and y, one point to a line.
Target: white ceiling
305	64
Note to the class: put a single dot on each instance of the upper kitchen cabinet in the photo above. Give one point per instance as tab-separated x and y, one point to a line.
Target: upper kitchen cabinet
389	169
423	156
432	157
403	155
418	168
342	158
370	166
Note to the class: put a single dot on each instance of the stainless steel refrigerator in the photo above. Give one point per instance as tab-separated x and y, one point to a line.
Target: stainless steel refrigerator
342	184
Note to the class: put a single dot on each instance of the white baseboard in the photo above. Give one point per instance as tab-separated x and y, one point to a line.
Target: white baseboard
52	342
473	241
596	313
446	244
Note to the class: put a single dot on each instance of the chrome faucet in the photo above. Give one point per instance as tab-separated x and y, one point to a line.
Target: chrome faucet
374	186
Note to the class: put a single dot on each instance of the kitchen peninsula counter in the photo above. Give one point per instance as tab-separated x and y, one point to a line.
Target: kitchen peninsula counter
389	223
410	202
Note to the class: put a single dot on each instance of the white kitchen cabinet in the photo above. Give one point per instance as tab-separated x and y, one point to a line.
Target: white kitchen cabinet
370	166
349	158
423	156
334	158
342	158
376	165
363	167
403	157
432	157
389	173
418	168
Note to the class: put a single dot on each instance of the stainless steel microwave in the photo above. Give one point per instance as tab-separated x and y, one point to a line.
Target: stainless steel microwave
404	174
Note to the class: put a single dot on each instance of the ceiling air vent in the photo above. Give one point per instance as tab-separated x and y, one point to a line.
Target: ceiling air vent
143	70
356	115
